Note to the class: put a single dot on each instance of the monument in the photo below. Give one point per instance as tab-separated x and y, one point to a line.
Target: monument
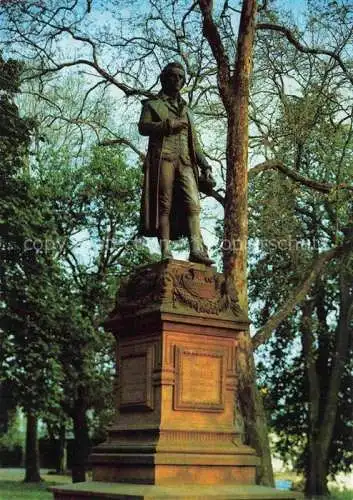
176	329
170	205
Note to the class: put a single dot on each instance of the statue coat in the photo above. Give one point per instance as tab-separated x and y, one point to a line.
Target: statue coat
154	123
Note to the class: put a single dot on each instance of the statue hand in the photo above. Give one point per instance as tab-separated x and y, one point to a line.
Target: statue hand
206	181
178	124
209	177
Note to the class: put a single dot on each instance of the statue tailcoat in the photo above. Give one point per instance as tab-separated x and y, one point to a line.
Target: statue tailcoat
154	123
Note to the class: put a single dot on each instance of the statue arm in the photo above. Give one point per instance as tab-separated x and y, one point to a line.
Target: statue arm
207	182
149	127
200	157
201	160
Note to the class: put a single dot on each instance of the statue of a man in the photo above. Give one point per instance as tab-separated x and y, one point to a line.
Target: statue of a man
170	205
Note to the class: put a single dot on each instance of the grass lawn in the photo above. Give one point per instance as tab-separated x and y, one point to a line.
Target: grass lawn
12	486
336	493
342	495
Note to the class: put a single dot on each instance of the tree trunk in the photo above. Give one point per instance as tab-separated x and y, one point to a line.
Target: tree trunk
316	480
252	410
316	472
234	91
314	460
236	238
32	450
236	200
58	443
323	390
61	466
81	443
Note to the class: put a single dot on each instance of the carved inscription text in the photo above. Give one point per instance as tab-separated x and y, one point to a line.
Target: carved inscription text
200	380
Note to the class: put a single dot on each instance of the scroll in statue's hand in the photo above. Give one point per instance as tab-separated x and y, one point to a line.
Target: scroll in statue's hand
206	182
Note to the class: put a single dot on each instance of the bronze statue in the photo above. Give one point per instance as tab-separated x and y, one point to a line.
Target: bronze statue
170	205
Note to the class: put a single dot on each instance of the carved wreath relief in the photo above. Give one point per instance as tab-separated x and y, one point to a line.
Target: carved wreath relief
202	291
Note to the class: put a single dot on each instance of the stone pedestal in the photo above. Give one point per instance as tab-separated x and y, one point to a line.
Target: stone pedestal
174	428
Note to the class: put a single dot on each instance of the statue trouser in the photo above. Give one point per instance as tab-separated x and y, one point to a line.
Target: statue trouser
170	173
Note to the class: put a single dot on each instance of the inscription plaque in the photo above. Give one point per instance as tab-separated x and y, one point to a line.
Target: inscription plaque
136	381
200	380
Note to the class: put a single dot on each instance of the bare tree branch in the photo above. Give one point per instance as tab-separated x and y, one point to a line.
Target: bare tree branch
128	90
263	6
187	13
297	296
302	48
117	255
126	142
217	196
295	176
211	33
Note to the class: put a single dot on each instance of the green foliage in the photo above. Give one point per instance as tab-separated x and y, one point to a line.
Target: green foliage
10	72
26	320
289	226
14	436
67	235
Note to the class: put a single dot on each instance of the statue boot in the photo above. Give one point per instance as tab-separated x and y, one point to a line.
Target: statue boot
164	237
198	251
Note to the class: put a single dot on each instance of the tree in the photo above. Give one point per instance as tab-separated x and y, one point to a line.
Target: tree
110	206
309	392
96	200
96	206
26	323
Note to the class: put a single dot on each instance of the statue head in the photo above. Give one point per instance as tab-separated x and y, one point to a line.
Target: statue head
172	78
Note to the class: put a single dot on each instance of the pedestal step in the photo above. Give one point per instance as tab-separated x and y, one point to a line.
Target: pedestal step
119	491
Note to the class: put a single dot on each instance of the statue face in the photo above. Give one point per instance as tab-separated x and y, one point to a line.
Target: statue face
174	80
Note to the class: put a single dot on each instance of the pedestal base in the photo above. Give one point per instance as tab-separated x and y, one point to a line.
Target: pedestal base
174	434
119	491
177	346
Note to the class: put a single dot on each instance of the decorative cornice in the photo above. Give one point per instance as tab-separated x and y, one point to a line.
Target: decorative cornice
177	287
